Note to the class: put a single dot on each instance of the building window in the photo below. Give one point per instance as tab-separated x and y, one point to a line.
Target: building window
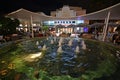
73	21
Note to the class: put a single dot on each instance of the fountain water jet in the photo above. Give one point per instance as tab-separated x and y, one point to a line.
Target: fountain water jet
37	43
60	44
61	40
83	45
60	49
47	38
52	42
44	47
55	39
70	42
77	50
77	38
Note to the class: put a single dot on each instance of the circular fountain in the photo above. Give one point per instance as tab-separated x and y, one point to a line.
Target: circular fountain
65	56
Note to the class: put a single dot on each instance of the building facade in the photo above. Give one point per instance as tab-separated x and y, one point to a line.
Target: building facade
68	11
64	14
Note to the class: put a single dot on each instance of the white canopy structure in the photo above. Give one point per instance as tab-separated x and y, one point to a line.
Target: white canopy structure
98	15
26	15
102	14
30	17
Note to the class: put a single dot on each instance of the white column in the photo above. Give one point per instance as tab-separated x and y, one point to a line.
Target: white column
106	26
29	26
32	26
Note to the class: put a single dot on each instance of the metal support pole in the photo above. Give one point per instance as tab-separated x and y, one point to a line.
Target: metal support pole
29	27
106	26
32	26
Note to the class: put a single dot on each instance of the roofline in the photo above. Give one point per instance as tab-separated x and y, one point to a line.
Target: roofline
101	10
15	11
30	12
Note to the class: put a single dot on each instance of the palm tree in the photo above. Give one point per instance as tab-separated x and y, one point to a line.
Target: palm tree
45	29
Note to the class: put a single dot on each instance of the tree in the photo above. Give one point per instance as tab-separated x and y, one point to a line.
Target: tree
45	29
8	25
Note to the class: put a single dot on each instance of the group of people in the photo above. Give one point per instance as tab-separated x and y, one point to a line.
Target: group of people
111	37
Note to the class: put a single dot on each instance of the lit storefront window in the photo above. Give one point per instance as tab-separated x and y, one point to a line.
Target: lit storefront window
63	22
79	21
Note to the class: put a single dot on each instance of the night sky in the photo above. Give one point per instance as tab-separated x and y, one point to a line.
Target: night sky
46	6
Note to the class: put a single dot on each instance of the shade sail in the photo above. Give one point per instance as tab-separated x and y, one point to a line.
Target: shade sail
102	14
98	15
26	15
102	24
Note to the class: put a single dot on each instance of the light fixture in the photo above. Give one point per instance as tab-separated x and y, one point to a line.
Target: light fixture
35	55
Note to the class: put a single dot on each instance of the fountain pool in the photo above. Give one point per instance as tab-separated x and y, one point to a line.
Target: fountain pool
77	58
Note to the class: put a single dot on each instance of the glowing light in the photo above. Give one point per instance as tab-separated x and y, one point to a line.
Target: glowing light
85	29
78	28
35	55
80	21
114	29
78	18
26	29
20	25
26	25
57	34
34	24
